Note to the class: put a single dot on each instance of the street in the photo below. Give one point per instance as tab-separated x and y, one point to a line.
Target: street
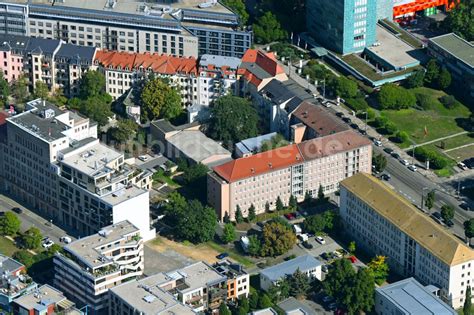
29	219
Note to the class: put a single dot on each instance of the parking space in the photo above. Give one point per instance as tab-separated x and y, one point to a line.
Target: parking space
162	261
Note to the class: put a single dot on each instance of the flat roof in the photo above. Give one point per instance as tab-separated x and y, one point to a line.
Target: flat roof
195	145
148	298
123	194
294	307
252	145
219	61
197	275
89	248
40	298
456	46
303	263
392	49
92	161
401	213
411	297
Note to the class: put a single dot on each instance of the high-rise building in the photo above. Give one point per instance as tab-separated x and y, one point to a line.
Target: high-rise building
179	28
345	26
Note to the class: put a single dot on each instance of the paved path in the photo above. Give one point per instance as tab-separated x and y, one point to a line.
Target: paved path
460	147
435	140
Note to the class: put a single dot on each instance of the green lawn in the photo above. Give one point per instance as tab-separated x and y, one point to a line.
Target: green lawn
7	247
455	142
461	154
233	253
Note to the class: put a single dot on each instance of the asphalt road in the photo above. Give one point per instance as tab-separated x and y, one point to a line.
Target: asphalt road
29	219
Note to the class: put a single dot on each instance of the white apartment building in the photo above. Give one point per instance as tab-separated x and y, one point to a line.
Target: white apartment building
92	265
384	223
55	163
291	170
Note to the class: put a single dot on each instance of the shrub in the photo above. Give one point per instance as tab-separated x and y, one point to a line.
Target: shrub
425	101
357	104
449	101
437	161
392	96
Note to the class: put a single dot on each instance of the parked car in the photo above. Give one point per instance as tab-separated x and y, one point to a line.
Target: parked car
404	162
143	158
327	104
47	242
340	114
17	210
65	239
222	256
378	143
385	176
465	206
462	166
412	168
362	131
388	150
336	254
290	216
324	256
307	245
347	120
354	126
320	240
449	223
395	155
303	237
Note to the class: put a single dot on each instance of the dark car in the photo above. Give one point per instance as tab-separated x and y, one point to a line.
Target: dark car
354	126
222	256
437	215
325	256
385	176
308	91
388	150
362	131
307	245
346	119
17	210
261	224
395	155
290	216
340	114
465	206
449	223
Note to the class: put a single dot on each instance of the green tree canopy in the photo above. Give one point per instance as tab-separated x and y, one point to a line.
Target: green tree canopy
276	141
224	310
20	89
238	6
395	97
264	301
268	29
359	292
92	85
314	224
337	276
25	257
299	284
380	162
430	199
447	212
466	309
252	214
239	218
160	100
444	79
9	224
432	72
379	267
4	89
279	204
292	202
233	119
228	234
31	239
416	79
460	20
125	129
345	87
277	239
254	245
469	228
41	90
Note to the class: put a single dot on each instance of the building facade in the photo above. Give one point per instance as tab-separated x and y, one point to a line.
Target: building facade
383	223
345	26
55	163
238	281
175	28
92	265
295	170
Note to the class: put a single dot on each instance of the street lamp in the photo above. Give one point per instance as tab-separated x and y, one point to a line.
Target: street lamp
365	121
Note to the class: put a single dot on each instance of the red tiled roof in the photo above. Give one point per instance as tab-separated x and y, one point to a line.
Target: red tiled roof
266	61
259	163
162	64
290	155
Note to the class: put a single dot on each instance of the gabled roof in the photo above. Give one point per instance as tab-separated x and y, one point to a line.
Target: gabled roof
303	263
401	213
266	61
319	119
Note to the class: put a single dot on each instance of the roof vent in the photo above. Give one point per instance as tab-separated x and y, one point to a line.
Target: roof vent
270	165
252	170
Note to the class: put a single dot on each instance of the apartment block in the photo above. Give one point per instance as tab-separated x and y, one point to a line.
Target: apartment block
14	281
90	266
345	26
54	162
238	281
382	222
197	287
179	28
53	62
295	169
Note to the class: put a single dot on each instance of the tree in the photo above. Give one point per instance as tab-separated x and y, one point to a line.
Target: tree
466	309
469	229
299	284
279	204
226	217
275	142
430	200
268	29
264	301
9	224
337	276
267	207
124	130
321	196
292	202
4	89
233	119
41	90
277	239
254	245
391	128
196	174
20	89
314	224
239	218
460	20
379	268
244	304
345	87
58	97
447	212
160	100
95	107
228	234
31	239
416	79
444	79
251	213
359	293
224	310
25	257
449	101
402	136
238	6
253	300
432	72
395	97
380	162
352	247
92	85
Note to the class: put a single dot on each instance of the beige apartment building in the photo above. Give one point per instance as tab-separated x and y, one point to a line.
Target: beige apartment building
291	170
92	265
382	222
